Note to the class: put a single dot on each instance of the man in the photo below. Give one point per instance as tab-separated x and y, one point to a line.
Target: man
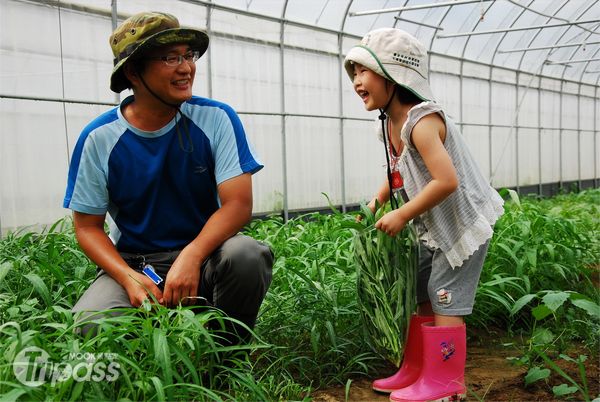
173	171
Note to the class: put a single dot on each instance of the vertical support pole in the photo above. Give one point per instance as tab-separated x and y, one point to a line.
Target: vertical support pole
491	166
114	19
539	124
341	115
596	139
560	135
209	80
460	97
283	119
579	138
518	110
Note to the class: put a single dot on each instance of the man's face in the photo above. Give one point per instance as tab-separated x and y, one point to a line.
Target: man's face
173	83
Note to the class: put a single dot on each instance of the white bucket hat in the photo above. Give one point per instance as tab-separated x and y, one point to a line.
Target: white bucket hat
395	55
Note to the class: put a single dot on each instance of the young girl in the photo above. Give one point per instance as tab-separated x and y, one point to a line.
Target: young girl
451	203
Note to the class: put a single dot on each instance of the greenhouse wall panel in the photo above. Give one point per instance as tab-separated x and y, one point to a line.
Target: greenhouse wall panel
190	13
254	88
315	93
309	39
478	141
597	155
264	133
528	80
550	84
504	172
550	148
528	107
364	161
530	116
569	112
570	155
597	111
476	101
229	23
529	159
503	75
34	163
202	82
588	91
586	110
587	156
505	104
475	71
550	109
30	74
570	88
353	106
442	64
348	42
446	89
313	161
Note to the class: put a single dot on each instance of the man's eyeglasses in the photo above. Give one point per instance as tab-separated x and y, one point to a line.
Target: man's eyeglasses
174	60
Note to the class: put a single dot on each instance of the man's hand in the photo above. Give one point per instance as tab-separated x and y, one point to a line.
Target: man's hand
183	279
136	292
391	223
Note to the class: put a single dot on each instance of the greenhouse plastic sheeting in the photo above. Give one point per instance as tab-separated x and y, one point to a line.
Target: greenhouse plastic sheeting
521	77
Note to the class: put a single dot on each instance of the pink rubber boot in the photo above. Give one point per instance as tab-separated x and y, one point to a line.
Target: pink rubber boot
442	377
411	363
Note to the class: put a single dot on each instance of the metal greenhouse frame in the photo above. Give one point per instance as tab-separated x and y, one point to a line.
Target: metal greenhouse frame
527	99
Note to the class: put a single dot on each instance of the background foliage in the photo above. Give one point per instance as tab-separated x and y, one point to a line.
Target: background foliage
538	281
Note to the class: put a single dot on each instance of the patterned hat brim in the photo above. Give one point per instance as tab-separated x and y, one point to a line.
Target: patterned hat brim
198	40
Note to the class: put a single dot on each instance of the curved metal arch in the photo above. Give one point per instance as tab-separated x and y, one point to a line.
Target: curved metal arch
343	24
464	50
440	23
585	66
395	21
399	13
435	30
533	38
565	68
597	51
506	33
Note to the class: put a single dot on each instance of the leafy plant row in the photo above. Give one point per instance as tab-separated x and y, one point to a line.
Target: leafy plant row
538	280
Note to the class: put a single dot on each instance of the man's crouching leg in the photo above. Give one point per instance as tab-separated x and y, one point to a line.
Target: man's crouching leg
235	279
102	295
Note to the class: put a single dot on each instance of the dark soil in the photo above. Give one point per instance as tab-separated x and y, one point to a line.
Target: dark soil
491	375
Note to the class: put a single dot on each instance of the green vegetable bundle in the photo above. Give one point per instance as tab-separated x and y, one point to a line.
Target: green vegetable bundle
386	283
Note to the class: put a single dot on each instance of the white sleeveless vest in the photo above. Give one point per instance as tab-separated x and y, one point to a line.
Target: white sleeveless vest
464	220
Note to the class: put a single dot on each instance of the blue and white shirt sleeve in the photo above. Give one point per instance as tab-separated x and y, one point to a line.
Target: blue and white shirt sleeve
232	153
87	188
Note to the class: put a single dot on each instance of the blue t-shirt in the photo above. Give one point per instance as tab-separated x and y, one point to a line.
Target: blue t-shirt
158	193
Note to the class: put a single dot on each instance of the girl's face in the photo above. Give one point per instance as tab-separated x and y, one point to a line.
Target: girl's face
373	89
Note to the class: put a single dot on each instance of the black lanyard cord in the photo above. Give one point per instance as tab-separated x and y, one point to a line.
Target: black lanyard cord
180	118
383	118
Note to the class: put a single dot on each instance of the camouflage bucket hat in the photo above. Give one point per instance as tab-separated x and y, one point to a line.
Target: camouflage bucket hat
142	31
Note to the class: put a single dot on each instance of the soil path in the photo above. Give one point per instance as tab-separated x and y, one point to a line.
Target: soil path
490	376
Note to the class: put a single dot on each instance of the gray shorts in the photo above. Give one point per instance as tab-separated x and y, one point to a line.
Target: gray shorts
450	291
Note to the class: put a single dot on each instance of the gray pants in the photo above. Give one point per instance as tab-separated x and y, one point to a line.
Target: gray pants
450	291
235	279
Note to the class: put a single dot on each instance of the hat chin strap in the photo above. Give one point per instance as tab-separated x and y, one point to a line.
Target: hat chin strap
173	105
383	117
177	108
